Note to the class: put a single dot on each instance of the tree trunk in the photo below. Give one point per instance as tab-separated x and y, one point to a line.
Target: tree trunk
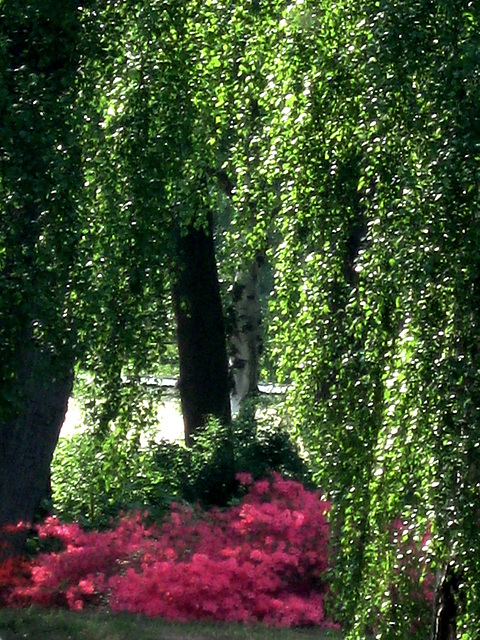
444	626
39	185
28	438
203	383
245	342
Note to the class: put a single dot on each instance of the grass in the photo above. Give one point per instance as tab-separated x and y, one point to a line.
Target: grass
43	624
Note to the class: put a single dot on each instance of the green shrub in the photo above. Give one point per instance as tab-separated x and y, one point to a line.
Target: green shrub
95	477
206	472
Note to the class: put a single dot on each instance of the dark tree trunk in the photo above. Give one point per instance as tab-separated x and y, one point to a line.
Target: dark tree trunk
28	438
203	384
444	625
39	186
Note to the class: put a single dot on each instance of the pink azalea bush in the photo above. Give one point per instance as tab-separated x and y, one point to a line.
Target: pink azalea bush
14	573
263	560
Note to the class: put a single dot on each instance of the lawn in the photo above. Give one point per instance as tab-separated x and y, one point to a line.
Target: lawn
39	624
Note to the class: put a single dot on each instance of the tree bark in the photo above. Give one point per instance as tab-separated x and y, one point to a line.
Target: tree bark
245	341
203	382
444	624
28	439
39	182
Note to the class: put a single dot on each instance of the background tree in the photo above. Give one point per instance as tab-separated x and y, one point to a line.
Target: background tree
203	382
151	235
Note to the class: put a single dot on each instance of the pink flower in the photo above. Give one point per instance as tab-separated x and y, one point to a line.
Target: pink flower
258	561
244	478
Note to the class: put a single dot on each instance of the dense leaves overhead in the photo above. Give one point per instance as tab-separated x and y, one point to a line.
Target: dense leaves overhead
39	174
342	139
377	309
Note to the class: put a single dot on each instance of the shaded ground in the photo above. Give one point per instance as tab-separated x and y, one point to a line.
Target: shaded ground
37	624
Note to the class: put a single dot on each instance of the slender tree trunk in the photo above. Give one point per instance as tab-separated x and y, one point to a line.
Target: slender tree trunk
245	342
203	384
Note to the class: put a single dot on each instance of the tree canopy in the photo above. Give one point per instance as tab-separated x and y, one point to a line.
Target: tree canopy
340	140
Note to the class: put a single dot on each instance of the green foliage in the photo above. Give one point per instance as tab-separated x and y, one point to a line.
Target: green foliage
376	307
97	473
94	477
206	471
40	177
348	134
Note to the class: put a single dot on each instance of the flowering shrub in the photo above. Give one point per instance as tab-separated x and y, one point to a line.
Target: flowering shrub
261	560
14	570
14	574
73	577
